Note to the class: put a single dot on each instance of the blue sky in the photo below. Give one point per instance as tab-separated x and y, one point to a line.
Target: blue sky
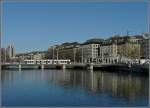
36	26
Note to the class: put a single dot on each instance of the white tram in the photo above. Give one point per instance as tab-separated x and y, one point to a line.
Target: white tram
48	61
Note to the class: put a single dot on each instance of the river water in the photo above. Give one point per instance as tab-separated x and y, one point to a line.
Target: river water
73	88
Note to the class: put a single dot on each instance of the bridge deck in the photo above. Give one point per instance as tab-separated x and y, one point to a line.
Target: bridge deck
109	67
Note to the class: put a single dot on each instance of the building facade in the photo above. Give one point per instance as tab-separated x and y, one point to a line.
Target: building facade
127	47
69	52
119	50
3	55
89	52
64	51
108	53
145	42
10	51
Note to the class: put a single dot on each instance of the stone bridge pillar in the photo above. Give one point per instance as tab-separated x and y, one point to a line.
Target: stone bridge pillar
42	66
90	66
64	66
19	66
92	80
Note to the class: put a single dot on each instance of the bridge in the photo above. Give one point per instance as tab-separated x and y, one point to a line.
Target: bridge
51	66
90	66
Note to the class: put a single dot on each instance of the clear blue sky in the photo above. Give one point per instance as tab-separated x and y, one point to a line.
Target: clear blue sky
36	26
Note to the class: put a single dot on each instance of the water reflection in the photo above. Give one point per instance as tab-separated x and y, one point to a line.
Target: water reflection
126	86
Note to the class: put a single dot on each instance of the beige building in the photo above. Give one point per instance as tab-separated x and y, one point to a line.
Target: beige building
128	47
119	49
64	51
129	50
145	42
69	52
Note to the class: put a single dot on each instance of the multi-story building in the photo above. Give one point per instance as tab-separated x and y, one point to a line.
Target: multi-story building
108	52
3	55
90	50
83	53
10	51
70	51
128	47
119	49
64	51
145	42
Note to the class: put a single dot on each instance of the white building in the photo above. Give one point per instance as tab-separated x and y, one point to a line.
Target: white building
108	53
89	52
